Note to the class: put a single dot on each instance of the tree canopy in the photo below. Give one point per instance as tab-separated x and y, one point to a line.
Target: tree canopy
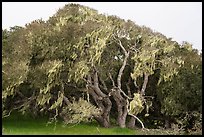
81	65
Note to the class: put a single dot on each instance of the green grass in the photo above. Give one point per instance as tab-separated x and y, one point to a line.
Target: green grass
25	125
16	124
40	127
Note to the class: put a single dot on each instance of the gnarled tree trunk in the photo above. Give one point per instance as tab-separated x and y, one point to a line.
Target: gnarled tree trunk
104	118
102	100
121	107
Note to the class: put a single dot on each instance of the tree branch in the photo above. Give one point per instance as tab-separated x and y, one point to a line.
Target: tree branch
96	86
121	70
124	63
124	94
95	79
122	67
66	100
144	84
104	84
110	76
135	83
120	43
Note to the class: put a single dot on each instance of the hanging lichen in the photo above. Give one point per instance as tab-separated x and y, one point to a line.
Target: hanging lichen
53	79
136	105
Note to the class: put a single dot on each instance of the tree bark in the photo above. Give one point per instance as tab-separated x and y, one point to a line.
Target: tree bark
121	107
102	121
131	123
121	117
144	84
104	118
102	101
105	106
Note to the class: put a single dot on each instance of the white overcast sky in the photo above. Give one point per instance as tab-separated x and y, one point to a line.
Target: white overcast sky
181	21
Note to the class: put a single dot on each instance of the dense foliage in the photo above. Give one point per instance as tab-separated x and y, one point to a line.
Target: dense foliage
81	65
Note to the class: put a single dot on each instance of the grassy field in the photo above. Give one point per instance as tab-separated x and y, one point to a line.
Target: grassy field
18	125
